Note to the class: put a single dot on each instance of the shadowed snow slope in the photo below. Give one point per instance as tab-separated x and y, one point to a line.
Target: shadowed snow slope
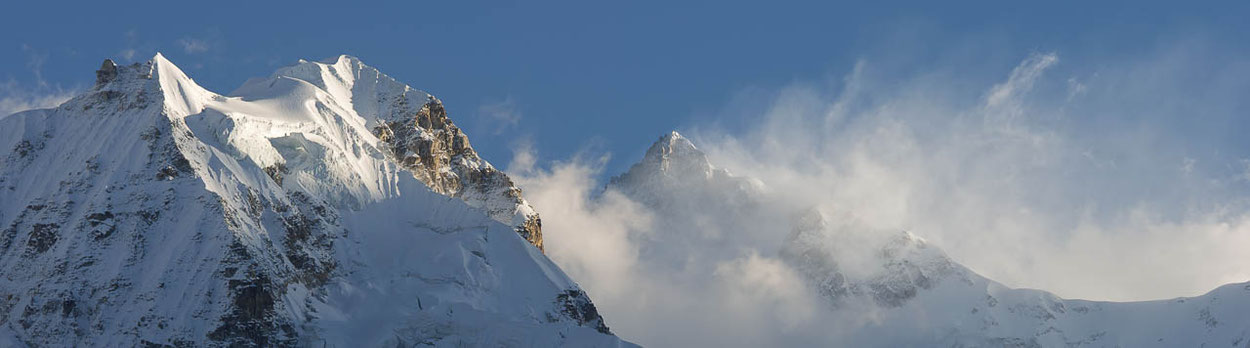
326	205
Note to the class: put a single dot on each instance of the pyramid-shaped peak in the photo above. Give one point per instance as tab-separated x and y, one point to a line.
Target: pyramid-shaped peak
181	94
674	137
163	67
674	146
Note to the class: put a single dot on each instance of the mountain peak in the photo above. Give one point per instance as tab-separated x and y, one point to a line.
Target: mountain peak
671	143
142	85
673	150
670	159
182	95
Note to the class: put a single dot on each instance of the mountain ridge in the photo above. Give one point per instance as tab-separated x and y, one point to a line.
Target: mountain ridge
151	211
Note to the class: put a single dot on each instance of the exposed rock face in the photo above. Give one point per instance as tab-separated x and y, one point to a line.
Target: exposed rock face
438	153
575	304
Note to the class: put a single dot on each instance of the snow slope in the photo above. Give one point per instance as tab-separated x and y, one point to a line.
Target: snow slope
891	288
325	205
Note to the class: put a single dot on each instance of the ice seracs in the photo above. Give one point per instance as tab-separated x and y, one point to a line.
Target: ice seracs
325	205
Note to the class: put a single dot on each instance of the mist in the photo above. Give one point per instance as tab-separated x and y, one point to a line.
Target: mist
1116	182
1100	185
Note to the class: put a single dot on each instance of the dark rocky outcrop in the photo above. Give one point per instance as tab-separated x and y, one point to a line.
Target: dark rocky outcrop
576	305
107	72
438	153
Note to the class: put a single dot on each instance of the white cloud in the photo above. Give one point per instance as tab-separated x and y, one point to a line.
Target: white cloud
10	104
16	98
708	295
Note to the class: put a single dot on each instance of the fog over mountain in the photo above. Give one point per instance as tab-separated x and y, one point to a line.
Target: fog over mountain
907	212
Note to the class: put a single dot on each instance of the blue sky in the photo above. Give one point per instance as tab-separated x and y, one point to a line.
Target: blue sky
607	77
1128	143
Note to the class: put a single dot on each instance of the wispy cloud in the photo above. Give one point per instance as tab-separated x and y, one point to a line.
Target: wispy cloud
499	115
14	97
131	49
126	54
1040	182
34	61
193	45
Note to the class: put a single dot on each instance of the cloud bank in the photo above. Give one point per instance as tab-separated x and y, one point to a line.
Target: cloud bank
1072	184
712	294
1106	182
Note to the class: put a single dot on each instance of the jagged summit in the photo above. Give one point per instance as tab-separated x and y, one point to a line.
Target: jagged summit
324	205
353	103
156	82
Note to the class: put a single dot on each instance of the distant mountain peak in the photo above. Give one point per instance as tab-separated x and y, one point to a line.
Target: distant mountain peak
673	162
673	144
673	154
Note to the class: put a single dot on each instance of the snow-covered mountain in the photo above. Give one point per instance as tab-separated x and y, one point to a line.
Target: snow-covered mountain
325	205
891	288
